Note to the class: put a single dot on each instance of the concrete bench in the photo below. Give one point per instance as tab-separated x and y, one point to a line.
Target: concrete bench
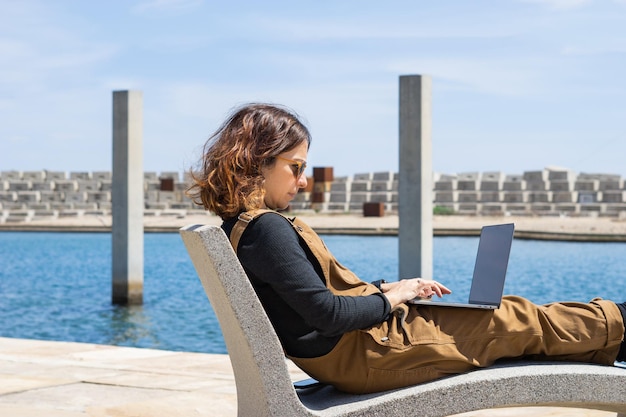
264	386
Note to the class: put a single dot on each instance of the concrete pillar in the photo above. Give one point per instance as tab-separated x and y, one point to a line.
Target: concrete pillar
415	194
127	198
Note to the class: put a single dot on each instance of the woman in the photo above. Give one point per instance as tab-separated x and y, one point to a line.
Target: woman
357	336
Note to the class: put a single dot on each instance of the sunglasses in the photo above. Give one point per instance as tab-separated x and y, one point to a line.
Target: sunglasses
298	167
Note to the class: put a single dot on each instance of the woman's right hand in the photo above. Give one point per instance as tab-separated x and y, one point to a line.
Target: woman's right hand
404	290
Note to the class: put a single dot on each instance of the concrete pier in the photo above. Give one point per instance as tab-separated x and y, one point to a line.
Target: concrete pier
127	198
415	197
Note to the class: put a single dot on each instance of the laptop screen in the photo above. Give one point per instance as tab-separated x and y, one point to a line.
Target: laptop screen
492	260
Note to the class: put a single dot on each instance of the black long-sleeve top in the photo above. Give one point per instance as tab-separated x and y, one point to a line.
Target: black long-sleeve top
308	318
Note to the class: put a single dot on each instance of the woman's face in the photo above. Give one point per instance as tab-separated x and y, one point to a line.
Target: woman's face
281	184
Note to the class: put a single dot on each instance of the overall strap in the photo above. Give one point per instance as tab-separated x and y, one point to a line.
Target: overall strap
242	222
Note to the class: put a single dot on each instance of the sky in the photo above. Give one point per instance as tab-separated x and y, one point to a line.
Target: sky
517	85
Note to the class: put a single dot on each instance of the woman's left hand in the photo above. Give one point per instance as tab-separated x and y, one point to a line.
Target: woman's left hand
404	290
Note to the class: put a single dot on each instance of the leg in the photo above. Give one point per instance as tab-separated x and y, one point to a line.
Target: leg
444	341
433	342
586	332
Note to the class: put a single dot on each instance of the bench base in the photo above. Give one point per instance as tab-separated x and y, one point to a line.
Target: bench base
508	384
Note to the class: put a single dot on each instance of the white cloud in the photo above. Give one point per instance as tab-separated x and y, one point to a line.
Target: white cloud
335	65
490	76
46	53
560	4
613	46
166	6
373	26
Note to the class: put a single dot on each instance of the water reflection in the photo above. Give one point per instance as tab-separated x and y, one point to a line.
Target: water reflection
129	326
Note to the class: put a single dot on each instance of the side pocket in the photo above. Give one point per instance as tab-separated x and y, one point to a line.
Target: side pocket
392	333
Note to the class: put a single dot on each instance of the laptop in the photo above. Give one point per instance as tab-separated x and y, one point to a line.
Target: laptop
492	259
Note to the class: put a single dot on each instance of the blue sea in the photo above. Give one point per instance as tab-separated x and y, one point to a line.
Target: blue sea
57	286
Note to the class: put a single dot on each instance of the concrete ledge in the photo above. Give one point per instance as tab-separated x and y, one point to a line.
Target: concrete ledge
526	227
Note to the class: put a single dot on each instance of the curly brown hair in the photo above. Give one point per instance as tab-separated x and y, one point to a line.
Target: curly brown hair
229	180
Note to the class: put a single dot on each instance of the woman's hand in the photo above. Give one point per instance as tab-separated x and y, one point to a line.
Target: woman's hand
404	290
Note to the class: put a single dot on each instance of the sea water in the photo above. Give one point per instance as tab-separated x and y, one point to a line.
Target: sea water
57	286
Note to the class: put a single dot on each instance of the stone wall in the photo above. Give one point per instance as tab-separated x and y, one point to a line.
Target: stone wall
30	195
545	192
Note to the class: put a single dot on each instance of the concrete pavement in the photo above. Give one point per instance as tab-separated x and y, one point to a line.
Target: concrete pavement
65	379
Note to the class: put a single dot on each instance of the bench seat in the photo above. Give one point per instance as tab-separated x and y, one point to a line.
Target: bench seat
264	386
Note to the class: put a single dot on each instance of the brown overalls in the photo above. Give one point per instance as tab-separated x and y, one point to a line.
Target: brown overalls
421	343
